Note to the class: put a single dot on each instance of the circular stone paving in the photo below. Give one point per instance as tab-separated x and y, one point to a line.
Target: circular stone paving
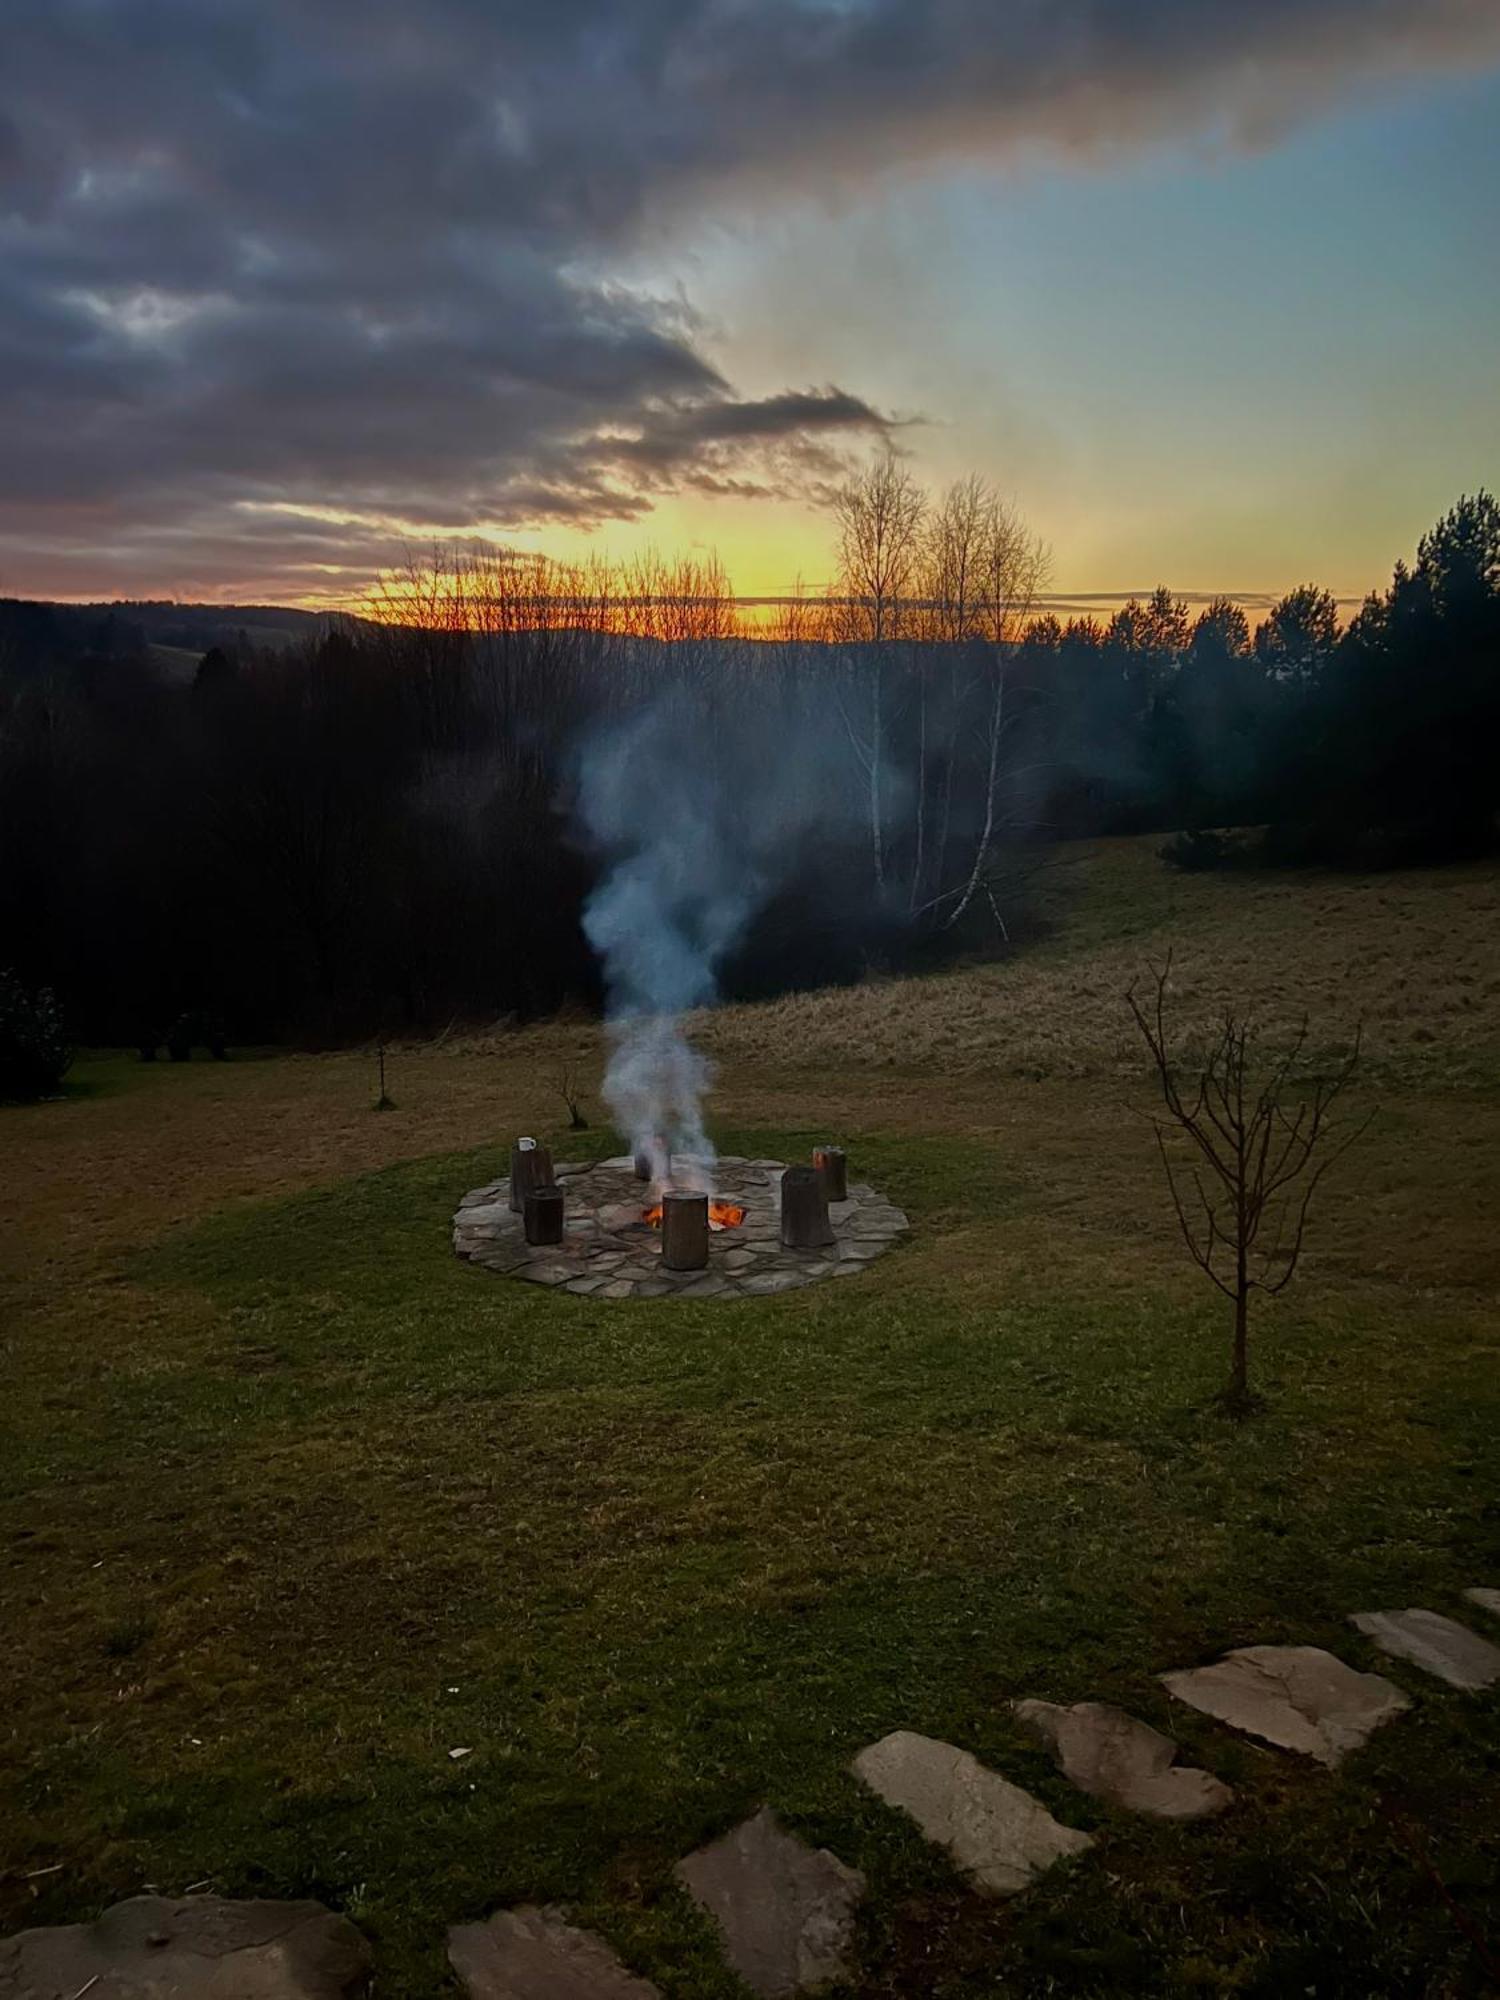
610	1252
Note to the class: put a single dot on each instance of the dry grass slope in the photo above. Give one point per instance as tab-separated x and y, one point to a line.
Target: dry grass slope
1416	956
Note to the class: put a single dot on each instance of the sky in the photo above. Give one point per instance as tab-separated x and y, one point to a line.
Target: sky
1209	288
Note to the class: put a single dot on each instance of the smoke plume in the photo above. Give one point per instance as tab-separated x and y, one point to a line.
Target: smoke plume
675	894
699	810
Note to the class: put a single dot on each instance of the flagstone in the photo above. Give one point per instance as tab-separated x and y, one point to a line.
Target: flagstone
1295	1697
193	1948
536	1954
999	1836
785	1910
1440	1646
1115	1756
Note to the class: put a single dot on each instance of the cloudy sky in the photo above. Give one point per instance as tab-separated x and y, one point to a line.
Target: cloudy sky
1211	287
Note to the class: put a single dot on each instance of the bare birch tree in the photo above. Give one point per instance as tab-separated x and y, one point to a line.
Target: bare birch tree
880	515
1013	566
948	583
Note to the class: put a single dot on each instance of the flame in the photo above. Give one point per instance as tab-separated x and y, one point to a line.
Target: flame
721	1215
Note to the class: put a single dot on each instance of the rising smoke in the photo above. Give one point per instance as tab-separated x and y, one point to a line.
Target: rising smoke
676	892
697	819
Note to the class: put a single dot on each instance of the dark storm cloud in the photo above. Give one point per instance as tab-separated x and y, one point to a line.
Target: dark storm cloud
354	255
705	444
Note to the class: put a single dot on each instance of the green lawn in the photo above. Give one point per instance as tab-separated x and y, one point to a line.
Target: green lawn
292	1503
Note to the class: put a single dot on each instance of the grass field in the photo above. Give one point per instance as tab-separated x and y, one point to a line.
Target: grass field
292	1503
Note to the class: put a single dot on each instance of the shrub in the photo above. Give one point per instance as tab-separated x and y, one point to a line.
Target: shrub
34	1052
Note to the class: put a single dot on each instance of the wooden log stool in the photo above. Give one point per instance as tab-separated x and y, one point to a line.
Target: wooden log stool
684	1230
804	1210
530	1167
834	1167
544	1215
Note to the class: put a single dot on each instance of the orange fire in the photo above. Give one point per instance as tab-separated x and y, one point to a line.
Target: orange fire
721	1215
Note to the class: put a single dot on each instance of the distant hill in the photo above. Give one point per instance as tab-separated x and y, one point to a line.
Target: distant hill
196	627
173	637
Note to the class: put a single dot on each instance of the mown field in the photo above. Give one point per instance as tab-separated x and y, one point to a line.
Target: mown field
292	1503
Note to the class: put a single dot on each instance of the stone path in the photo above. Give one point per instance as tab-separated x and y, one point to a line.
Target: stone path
1438	1645
1297	1697
1114	1756
609	1252
534	1954
785	1910
199	1948
999	1836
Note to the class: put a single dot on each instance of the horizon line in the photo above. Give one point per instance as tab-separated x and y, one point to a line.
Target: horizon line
1042	600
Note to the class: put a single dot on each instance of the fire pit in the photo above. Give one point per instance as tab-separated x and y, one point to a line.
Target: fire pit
721	1215
612	1246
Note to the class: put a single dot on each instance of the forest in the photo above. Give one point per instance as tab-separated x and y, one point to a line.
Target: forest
370	828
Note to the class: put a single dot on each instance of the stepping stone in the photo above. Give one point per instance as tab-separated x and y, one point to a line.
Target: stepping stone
198	1948
1487	1600
999	1836
1438	1645
786	1910
534	1954
1295	1697
1114	1756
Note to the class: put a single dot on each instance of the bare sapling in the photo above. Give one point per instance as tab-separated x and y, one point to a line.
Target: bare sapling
1253	1142
566	1084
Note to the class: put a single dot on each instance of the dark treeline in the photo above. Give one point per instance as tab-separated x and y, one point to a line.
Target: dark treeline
1370	746
369	830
